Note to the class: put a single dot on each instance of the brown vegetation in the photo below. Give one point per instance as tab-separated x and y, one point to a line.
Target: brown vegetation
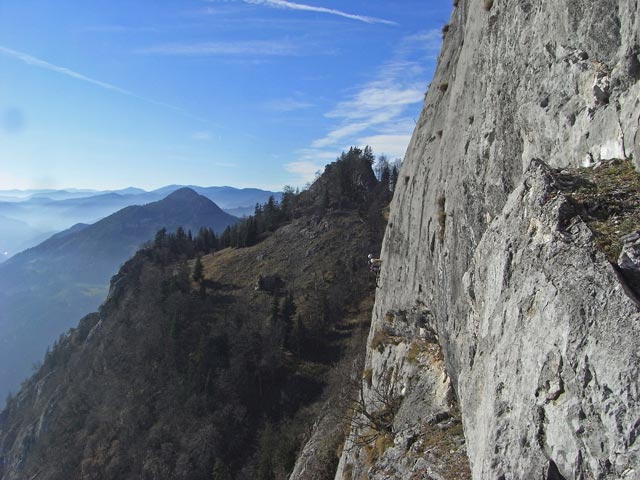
607	198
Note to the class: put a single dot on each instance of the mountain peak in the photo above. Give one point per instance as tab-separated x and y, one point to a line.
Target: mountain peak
183	194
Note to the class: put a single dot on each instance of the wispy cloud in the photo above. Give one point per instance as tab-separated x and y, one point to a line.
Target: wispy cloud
241	48
36	62
121	29
377	104
305	171
309	161
393	146
43	64
286	105
377	98
376	112
336	135
310	8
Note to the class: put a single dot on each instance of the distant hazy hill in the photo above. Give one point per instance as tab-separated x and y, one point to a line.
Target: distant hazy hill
16	195
44	290
228	197
46	211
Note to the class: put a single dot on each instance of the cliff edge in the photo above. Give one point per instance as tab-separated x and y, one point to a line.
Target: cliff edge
506	297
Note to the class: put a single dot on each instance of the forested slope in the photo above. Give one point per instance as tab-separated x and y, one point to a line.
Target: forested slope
210	361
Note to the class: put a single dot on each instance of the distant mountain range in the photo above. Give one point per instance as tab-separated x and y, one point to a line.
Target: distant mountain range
45	289
225	197
29	216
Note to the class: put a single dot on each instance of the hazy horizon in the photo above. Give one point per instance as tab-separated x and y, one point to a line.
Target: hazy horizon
245	93
74	189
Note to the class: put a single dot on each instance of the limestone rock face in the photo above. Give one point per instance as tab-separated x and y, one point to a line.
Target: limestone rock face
410	427
538	331
550	365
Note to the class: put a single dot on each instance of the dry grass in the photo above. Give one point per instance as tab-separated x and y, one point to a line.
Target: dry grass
381	339
422	351
414	351
608	200
488	4
376	449
305	266
442	442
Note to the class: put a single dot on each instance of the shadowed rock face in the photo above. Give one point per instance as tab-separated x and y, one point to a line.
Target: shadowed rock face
537	330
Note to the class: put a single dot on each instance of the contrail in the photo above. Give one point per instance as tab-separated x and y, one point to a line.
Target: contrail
310	8
39	63
36	62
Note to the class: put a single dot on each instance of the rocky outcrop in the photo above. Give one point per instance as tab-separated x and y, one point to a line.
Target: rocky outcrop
537	328
549	367
406	419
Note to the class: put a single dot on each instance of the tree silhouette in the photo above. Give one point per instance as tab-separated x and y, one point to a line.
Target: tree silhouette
198	270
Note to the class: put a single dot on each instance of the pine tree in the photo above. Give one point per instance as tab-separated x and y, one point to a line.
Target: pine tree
161	237
270	214
367	154
393	177
286	205
251	233
225	238
385	179
198	271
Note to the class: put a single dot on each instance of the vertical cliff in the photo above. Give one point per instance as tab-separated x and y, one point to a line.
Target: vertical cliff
498	304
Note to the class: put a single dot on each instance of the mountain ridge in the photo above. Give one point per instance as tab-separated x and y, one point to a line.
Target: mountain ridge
67	275
220	363
51	211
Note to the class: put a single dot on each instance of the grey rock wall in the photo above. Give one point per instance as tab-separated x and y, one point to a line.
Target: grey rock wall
538	335
551	374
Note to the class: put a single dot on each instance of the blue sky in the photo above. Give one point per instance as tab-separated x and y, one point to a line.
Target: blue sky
110	93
